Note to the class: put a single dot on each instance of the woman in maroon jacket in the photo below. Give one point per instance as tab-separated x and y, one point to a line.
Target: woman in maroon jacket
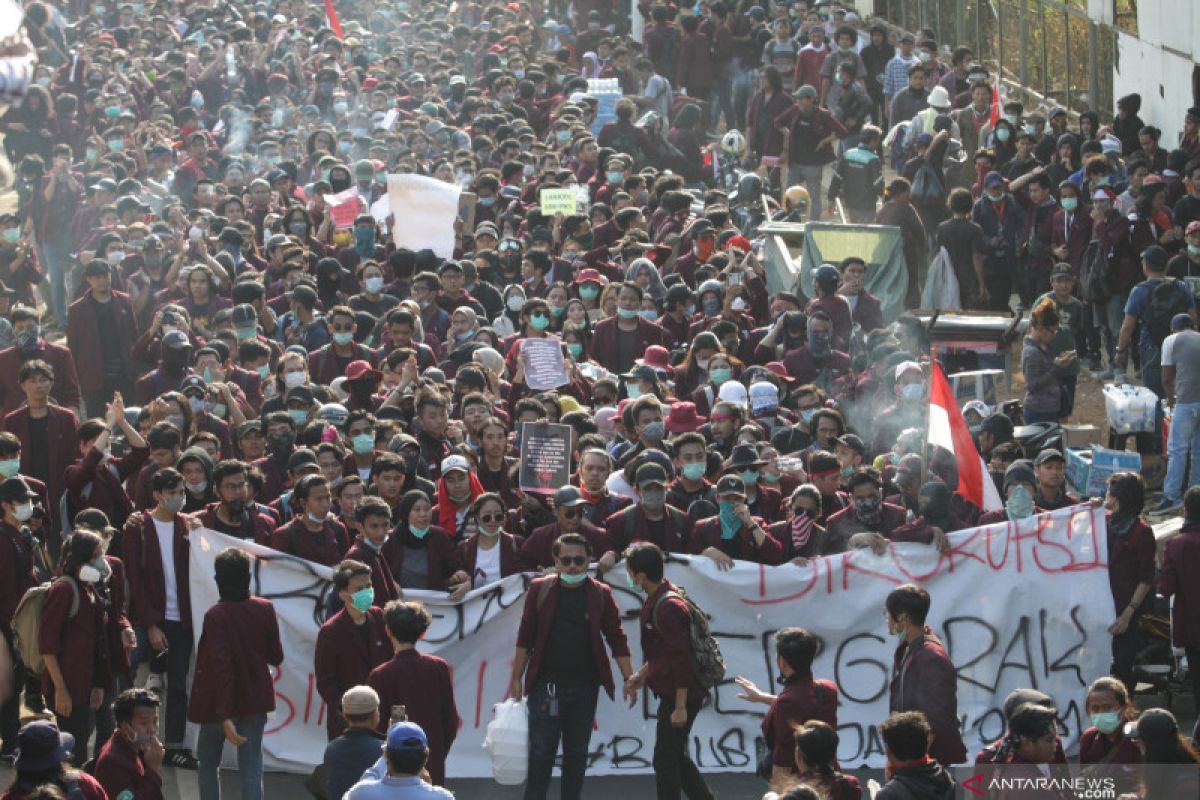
491	553
1104	749
416	540
232	691
73	641
420	683
763	139
1131	549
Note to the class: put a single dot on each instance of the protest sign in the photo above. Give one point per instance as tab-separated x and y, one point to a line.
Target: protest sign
423	213
1016	604
545	456
545	366
344	208
557	201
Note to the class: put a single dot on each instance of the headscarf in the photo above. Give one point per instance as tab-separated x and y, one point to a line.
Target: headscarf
448	509
590	65
656	289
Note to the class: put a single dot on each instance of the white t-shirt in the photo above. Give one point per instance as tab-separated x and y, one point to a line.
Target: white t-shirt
166	545
487	566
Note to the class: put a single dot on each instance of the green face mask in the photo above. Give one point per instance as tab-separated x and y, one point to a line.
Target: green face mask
589	291
632	584
694	471
1194	250
576	351
363	599
420	533
363	443
9	467
719	375
572	580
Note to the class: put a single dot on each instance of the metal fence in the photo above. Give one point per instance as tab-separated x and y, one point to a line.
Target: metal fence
1049	48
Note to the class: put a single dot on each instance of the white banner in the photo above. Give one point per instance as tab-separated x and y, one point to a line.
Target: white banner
1016	605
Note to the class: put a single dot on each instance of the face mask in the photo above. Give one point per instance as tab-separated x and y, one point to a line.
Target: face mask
558	311
1002	134
515	302
1019	504
719	375
12	235
1194	250
174	504
298	415
487	202
654	431
633	391
264	371
491	533
218	410
1070	203
363	444
807	414
589	292
236	507
116	257
539	322
615	177
364	239
576	351
116	145
196	488
197	404
420	533
868	510
1106	721
363	599
89	574
294	379
694	471
91	153
704	250
847	471
374	285
912	391
27	339
9	467
632	584
750	476
572	580
648	314
298	228
820	343
562	137
730	522
343	338
23	511
711	306
923	56
738	304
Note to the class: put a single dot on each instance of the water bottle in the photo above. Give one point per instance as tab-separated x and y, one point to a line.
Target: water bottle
230	65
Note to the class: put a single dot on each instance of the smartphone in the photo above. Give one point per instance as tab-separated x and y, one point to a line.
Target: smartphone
399	714
735	279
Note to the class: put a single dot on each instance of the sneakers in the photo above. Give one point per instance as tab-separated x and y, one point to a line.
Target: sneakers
1166	506
181	758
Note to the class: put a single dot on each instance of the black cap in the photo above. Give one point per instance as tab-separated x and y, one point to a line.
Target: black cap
243	314
998	425
301	458
568	496
642	372
15	489
1020	471
1062	270
301	394
249	426
854	442
731	484
305	294
175	340
1048	455
193	382
650	473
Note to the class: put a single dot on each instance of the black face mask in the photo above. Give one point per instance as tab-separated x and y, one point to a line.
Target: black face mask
279	445
174	361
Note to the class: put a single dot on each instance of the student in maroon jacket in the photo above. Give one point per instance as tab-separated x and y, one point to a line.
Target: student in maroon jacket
491	553
1180	565
536	550
651	519
46	431
374	518
128	765
314	534
156	549
668	672
101	330
232	692
619	341
868	522
31	346
420	683
234	514
351	643
1131	549
735	535
74	647
924	679
1103	746
416	535
16	564
867	311
96	479
562	659
802	700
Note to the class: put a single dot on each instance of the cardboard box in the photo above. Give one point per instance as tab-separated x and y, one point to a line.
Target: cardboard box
1088	470
977	385
1078	437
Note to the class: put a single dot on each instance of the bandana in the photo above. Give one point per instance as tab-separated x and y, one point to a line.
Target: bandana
802	525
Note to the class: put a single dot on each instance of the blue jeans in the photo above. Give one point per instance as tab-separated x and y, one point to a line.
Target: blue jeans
1184	439
1108	317
210	744
1152	379
570	718
1034	417
56	262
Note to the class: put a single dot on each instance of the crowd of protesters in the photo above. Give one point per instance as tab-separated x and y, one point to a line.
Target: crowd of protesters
188	339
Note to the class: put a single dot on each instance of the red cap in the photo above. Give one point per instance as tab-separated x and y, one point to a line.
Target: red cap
361	369
589	275
658	357
740	242
370	83
682	418
777	369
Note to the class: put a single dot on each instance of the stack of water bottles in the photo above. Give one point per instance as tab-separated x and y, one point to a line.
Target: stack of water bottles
1130	408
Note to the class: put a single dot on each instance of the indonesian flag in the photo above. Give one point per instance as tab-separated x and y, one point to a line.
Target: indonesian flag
948	429
335	24
993	118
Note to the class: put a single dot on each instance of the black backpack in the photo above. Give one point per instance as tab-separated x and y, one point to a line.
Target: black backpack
1168	297
1094	274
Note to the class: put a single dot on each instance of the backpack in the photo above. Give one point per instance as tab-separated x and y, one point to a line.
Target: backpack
1094	274
707	662
1167	298
927	187
27	622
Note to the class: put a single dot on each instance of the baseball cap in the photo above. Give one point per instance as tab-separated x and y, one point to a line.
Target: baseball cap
907	366
450	463
1062	270
853	441
406	736
194	383
993	179
175	340
731	484
14	489
360	700
243	314
568	496
1048	455
651	473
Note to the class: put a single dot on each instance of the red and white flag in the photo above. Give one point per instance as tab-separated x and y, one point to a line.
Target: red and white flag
331	15
948	429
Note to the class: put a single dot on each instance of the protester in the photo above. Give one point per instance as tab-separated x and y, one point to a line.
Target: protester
1179	557
406	753
912	770
353	752
132	758
43	760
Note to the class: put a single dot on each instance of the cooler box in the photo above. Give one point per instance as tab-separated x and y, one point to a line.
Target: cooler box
1078	437
977	385
1088	470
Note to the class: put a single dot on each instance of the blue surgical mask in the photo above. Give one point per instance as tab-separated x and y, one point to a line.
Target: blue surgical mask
633	585
750	476
576	350
343	338
589	291
539	322
627	313
363	598
694	471
298	415
648	314
363	444
1106	721
9	467
719	375
374	284
1019	504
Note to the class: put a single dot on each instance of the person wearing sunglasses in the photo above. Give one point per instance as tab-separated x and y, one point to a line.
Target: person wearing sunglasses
734	534
560	663
491	552
569	508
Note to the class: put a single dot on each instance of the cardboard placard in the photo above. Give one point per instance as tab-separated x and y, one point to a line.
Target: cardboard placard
557	201
545	457
545	366
344	208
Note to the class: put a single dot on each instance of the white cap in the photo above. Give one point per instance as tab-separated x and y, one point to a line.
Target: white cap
455	462
907	366
763	395
939	97
733	392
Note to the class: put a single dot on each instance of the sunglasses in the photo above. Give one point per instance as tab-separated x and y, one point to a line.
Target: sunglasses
573	561
571	513
487	519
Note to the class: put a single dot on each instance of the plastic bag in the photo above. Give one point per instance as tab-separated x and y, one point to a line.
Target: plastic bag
941	284
1130	408
507	742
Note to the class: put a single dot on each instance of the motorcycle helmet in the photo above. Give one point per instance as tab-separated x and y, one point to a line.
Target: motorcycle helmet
749	187
733	143
796	199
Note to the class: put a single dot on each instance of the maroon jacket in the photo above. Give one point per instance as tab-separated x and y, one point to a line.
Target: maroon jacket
1095	747
510	556
868	312
66	384
261	526
120	768
323	363
845	523
603	616
345	655
275	477
382	579
238	646
677	529
537	551
1181	565
83	338
116	619
707	533
440	554
64	447
143	564
16	574
924	679
322	548
104	490
423	685
1130	562
79	642
1074	234
801	365
604	348
667	645
803	699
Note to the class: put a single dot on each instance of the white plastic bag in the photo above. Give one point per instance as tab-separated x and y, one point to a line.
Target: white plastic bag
1130	408
941	284
507	742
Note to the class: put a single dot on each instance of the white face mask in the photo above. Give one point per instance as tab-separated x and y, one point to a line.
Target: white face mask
515	302
23	511
293	379
738	304
89	574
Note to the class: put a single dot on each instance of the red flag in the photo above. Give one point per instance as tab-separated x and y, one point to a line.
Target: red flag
995	115
335	24
948	429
